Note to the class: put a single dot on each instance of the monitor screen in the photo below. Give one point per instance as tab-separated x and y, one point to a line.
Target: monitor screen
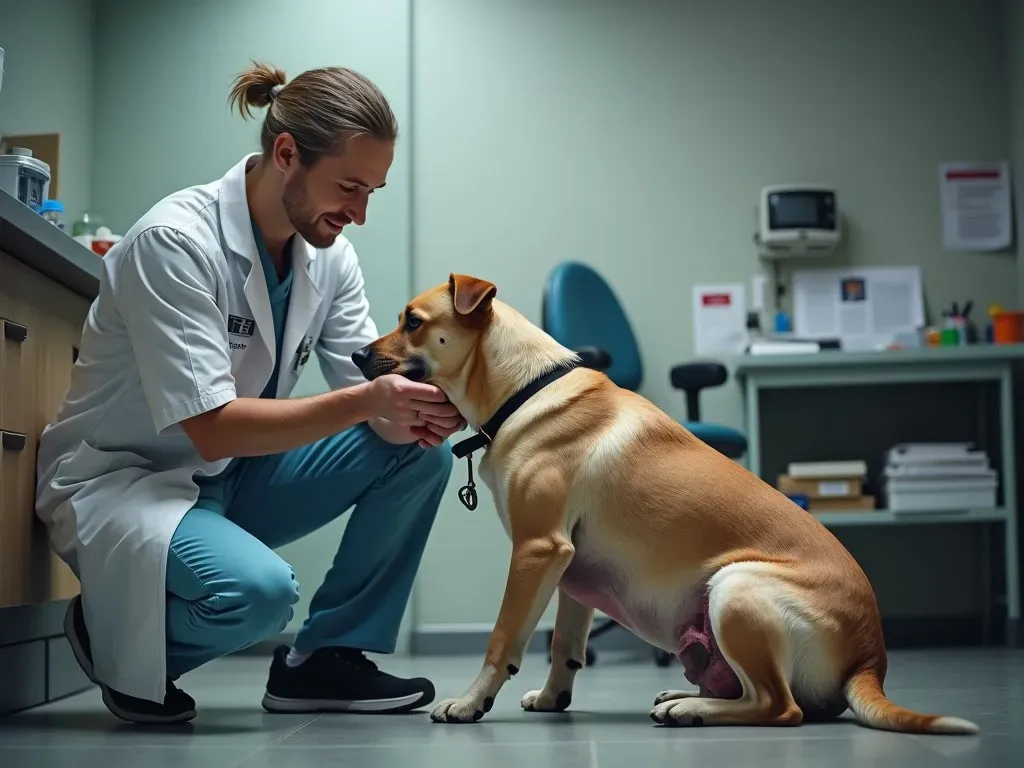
801	210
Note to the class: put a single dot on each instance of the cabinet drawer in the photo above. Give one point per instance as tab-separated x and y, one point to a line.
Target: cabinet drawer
24	563
37	352
17	369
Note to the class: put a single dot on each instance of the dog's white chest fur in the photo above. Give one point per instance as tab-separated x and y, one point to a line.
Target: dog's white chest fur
498	490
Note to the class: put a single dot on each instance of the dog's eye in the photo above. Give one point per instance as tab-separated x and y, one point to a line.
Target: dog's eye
412	322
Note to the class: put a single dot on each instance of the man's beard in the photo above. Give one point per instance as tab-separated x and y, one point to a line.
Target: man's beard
301	214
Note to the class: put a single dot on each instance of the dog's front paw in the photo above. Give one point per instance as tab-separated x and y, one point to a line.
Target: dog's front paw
547	701
457	711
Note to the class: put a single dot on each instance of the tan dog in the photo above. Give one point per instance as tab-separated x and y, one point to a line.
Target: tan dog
620	508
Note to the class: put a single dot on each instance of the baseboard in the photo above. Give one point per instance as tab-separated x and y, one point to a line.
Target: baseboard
468	639
24	623
901	632
36	661
472	639
1015	633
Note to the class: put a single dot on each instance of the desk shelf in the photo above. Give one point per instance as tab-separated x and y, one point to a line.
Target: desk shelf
886	517
985	373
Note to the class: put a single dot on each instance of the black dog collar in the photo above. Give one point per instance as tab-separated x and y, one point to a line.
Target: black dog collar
486	434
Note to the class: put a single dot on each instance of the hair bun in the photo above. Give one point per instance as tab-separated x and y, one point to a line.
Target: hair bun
257	86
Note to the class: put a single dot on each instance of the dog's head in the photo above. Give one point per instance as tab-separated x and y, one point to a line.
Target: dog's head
436	332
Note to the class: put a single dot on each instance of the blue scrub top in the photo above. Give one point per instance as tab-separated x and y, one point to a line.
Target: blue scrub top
280	291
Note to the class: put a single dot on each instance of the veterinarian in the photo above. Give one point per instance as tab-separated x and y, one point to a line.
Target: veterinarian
179	463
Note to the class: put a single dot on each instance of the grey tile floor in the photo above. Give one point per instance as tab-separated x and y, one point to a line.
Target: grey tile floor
608	725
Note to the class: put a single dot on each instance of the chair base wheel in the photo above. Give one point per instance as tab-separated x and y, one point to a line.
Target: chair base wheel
662	659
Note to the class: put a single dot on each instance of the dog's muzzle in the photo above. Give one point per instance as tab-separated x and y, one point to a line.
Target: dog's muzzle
370	364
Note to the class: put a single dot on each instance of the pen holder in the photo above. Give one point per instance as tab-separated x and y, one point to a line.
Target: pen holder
1008	327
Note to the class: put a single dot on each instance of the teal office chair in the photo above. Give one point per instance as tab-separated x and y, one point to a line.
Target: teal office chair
581	311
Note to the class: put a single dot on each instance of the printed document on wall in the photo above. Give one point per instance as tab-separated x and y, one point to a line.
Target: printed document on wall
865	308
719	319
976	207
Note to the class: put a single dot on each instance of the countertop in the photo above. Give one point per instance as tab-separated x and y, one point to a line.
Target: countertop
30	238
973	353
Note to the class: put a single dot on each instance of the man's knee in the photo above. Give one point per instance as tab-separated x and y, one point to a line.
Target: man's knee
270	594
426	468
435	464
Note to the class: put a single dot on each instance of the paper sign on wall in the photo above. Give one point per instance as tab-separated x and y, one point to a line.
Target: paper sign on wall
976	208
719	319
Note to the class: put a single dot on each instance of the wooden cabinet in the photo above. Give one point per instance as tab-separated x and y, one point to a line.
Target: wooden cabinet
41	326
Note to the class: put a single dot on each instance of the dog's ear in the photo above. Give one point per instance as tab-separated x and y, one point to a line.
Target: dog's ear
470	294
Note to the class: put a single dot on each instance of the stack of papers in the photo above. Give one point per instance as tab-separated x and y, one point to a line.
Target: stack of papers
930	477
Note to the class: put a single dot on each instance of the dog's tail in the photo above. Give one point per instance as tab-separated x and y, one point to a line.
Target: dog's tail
871	706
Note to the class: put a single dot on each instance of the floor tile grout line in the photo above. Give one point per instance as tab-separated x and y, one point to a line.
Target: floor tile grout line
245	760
293	731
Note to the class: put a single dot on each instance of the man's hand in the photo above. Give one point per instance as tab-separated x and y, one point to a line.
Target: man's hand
420	410
438	429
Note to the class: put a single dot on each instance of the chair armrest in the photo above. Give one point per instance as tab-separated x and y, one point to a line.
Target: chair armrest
693	377
594	357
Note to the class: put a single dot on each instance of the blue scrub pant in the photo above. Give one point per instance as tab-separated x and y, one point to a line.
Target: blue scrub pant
228	589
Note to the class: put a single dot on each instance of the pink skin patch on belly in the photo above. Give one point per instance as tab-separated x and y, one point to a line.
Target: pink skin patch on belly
602	587
597	586
703	663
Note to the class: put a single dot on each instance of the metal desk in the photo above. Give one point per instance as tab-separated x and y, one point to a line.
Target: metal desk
980	363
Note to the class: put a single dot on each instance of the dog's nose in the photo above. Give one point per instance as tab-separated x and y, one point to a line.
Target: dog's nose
361	357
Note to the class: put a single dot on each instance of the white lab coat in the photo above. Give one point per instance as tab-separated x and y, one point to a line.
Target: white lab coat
182	324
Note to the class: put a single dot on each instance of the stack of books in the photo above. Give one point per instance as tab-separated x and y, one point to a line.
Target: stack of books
827	486
929	477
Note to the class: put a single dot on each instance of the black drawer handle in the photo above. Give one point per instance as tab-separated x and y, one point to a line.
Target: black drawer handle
12	441
15	331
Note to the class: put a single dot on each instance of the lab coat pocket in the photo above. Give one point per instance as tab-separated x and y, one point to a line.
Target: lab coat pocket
88	463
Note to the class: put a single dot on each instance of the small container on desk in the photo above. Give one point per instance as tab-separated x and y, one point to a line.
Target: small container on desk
53	212
1007	327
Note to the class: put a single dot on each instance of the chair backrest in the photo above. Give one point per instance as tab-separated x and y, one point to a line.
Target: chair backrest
580	310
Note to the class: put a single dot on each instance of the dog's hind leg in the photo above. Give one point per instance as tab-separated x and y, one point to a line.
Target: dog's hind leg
750	631
568	656
673	695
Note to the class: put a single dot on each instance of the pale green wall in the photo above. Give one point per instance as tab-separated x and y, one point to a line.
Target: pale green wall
636	136
162	122
48	84
1014	28
640	148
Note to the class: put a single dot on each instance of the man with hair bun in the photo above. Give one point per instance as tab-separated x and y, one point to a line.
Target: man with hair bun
179	462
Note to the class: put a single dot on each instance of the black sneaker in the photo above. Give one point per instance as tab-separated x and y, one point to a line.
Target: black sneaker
340	680
177	706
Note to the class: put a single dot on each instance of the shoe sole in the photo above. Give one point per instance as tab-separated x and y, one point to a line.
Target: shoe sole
76	646
397	705
87	667
135	717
